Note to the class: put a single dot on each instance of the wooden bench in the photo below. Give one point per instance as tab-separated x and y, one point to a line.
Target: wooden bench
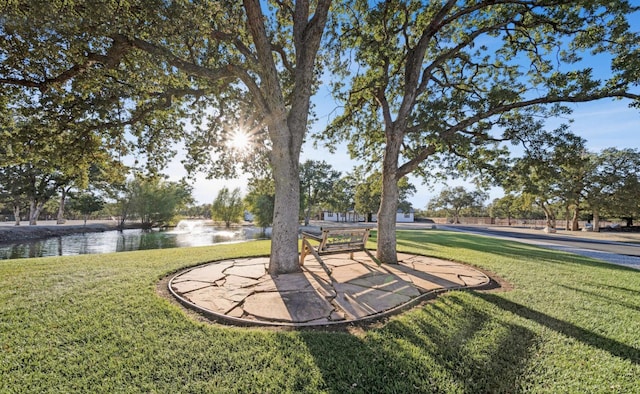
335	240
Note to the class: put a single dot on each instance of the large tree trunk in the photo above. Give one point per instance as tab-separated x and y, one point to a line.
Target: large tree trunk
548	221
574	219
286	126
63	196
386	252
549	217
34	211
16	213
596	220
285	157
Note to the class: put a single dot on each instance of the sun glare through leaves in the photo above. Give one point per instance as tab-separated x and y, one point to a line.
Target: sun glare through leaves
239	140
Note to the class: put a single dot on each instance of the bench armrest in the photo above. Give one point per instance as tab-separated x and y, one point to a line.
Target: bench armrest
315	237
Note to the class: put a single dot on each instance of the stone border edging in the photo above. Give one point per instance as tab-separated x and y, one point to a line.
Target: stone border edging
231	320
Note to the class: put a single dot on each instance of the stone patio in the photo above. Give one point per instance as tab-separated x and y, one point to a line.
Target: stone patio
243	292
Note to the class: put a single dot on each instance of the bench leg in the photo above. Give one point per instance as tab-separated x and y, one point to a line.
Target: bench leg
375	260
306	249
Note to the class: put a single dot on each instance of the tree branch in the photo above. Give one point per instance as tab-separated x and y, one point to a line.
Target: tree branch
412	164
110	60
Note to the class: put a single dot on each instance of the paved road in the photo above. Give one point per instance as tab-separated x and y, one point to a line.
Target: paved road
623	248
621	253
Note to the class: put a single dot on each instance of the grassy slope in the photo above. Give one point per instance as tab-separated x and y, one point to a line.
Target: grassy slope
94	323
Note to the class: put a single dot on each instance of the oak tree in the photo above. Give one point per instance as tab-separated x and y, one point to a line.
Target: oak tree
455	199
317	179
614	184
434	85
134	68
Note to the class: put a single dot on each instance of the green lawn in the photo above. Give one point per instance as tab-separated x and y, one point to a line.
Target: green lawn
94	323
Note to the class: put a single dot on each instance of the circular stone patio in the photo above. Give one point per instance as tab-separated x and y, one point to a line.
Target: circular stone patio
339	290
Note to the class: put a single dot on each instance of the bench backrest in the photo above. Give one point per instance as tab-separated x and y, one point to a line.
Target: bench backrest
340	238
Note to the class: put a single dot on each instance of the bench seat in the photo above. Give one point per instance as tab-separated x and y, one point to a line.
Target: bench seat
334	240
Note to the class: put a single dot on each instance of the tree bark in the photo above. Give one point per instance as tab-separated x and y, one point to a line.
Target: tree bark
284	237
34	211
596	220
286	126
550	218
386	252
63	196
574	219
456	216
16	213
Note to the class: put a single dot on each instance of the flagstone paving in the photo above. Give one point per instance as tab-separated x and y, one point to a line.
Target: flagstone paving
243	292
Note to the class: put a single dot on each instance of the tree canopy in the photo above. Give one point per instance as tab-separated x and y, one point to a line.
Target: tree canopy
433	87
87	203
369	193
227	206
317	180
551	173
260	199
613	186
134	69
455	199
153	200
427	87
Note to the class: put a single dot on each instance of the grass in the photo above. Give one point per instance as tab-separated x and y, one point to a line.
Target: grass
95	323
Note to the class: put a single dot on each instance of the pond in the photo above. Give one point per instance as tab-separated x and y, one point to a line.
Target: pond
185	234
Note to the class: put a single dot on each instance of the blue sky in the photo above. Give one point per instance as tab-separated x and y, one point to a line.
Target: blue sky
604	124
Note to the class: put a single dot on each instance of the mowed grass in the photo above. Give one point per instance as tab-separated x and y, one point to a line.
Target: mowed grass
95	323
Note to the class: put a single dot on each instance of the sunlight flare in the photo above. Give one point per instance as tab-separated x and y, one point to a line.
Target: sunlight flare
239	140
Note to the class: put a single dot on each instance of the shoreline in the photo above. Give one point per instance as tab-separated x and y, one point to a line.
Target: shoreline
10	233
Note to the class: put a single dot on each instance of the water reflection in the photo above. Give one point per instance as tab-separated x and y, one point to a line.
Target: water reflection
127	240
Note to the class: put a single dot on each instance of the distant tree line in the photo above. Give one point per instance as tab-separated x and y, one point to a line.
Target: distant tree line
33	190
322	189
556	177
561	177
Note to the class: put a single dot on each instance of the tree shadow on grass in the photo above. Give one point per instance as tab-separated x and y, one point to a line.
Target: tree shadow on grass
455	345
609	300
587	337
625	289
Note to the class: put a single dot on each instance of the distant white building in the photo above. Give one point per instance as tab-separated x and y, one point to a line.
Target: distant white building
401	217
334	216
349	216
